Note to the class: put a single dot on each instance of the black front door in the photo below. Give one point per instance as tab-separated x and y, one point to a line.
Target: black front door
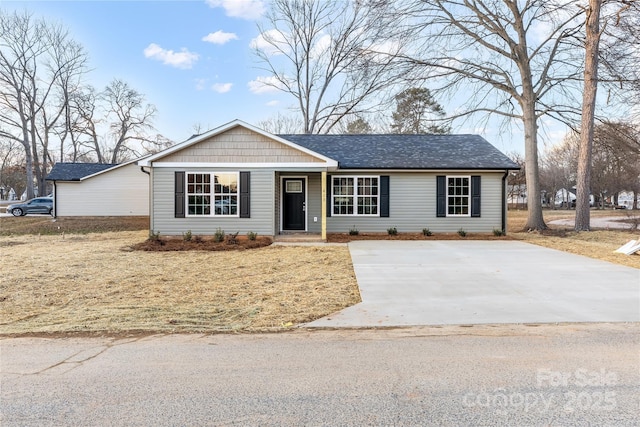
293	209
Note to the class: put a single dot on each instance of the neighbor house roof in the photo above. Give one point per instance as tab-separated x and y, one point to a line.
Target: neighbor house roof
395	151
76	171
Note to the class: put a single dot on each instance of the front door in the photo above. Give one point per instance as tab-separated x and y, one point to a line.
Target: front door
293	204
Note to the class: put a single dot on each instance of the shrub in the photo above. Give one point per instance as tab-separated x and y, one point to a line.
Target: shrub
497	232
426	232
353	231
218	236
462	233
251	235
187	236
232	238
392	231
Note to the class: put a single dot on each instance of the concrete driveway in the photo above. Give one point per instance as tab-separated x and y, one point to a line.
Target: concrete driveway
479	282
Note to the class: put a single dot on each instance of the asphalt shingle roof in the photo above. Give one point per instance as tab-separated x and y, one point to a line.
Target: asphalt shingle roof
394	151
75	171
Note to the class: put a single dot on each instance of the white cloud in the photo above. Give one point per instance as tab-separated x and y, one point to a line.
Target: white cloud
221	87
321	46
245	9
273	103
219	37
263	84
183	59
268	48
201	84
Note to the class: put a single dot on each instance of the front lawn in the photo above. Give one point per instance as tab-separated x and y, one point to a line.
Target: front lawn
96	283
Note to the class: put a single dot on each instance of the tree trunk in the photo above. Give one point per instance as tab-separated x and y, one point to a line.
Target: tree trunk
28	160
588	111
535	221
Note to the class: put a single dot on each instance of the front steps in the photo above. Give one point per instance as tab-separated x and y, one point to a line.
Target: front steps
299	238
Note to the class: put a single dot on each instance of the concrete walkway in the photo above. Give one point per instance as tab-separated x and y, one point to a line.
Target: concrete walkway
609	222
482	282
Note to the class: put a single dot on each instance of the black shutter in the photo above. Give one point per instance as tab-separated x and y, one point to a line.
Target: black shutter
475	195
384	196
328	195
245	194
441	192
179	195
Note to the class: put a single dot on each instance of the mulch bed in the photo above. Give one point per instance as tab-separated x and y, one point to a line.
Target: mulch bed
197	243
346	237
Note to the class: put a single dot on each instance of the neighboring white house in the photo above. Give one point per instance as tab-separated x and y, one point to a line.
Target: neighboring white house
566	197
625	198
90	189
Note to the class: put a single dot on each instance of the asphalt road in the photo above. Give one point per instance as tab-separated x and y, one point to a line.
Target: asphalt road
576	374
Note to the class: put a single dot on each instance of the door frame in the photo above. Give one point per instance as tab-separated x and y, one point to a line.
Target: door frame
306	201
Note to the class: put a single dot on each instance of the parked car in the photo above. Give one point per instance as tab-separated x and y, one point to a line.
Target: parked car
42	205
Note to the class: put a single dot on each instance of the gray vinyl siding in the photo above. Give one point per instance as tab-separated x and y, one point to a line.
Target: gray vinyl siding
262	206
314	203
412	206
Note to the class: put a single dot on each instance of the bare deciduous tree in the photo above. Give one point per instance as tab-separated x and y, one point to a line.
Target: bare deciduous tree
511	58
38	63
619	30
616	158
592	41
130	121
326	55
282	124
83	122
557	171
516	184
615	162
10	159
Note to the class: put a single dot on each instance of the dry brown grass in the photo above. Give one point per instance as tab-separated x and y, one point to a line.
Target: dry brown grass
94	283
599	244
88	283
44	224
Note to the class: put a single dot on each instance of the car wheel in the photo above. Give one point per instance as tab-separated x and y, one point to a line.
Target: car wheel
50	211
17	212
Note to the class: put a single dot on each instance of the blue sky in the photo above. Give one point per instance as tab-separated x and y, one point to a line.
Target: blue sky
159	48
191	59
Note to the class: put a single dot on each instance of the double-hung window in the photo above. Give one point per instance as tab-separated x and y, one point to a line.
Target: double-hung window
212	194
458	196
355	195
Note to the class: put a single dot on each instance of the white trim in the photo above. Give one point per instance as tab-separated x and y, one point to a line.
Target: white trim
221	129
320	166
306	198
356	196
446	186
292	190
212	194
434	171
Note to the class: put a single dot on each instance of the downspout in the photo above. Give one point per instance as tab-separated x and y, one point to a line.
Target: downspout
504	202
150	199
55	200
